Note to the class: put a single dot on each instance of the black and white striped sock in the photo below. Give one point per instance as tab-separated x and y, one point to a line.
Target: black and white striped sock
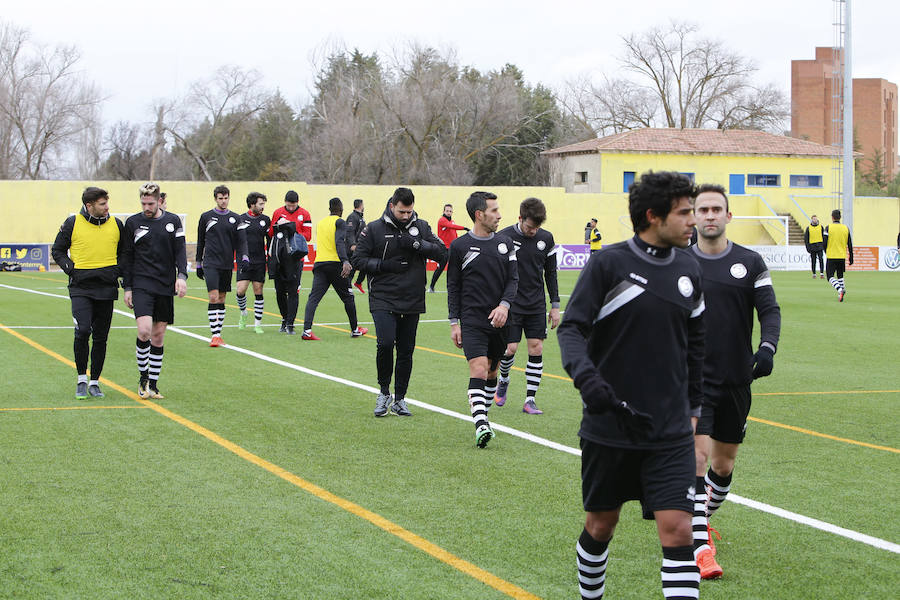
718	488
680	573
212	312
156	358
258	305
221	316
490	388
477	402
534	370
840	283
242	302
142	352
699	522
506	364
591	557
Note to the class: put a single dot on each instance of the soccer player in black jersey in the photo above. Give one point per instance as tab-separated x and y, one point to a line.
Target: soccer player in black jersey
536	260
154	269
221	235
355	225
257	232
632	340
88	248
735	282
482	280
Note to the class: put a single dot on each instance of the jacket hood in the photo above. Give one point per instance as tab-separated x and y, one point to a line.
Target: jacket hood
389	218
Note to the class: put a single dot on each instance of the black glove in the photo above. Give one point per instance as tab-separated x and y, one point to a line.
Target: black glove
200	272
599	397
763	361
394	265
407	242
467	229
244	265
851	259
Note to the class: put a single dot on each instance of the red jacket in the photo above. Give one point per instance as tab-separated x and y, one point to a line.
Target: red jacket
446	230
300	216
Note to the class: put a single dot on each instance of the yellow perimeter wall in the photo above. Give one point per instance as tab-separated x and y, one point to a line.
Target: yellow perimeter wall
34	210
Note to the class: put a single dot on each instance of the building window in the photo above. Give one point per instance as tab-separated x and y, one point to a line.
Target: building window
813	181
689	176
581	176
757	180
627	180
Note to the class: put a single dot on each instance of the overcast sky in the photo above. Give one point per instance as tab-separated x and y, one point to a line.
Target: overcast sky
136	51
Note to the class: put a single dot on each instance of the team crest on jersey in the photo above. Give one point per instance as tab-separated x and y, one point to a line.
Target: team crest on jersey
231	220
262	222
170	227
738	271
501	248
414	231
279	235
541	245
685	287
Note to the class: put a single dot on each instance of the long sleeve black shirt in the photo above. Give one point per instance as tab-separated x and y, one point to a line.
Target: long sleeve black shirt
221	237
536	264
154	253
482	274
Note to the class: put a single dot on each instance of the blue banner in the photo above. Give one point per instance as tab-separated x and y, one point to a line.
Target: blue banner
31	257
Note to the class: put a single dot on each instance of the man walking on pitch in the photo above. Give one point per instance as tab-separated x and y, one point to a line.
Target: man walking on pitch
393	250
257	231
155	269
536	263
331	269
814	239
88	248
482	280
838	247
355	225
446	232
639	302
221	234
292	211
735	282
592	236
285	264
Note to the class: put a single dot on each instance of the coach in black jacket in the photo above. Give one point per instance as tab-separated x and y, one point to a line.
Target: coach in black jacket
392	251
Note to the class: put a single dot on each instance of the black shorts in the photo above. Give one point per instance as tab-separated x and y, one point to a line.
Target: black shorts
252	273
723	415
660	479
480	341
161	308
835	266
217	279
534	325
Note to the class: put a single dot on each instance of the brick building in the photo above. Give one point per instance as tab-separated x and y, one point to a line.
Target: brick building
874	109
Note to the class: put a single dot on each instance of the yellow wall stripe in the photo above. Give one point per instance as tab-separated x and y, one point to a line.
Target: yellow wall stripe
416	541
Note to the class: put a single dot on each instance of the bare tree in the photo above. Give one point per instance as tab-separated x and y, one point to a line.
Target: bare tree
678	79
46	105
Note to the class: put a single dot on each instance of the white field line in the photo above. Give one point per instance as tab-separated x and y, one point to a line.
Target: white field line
761	506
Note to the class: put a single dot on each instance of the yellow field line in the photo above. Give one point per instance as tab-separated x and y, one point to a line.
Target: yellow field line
68	407
414	540
828	392
824	435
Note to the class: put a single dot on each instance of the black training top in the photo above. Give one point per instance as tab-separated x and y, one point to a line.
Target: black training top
220	236
536	263
154	253
481	274
635	319
734	283
257	232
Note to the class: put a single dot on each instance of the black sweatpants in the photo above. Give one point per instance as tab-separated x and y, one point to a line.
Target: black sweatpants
324	275
437	272
288	299
92	320
395	329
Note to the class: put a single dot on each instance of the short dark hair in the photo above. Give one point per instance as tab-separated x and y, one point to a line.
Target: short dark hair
92	194
713	187
448	206
357	203
656	192
335	206
403	196
478	201
291	196
221	189
533	209
836	215
252	197
162	195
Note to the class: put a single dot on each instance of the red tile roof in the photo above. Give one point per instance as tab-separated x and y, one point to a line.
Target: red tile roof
700	141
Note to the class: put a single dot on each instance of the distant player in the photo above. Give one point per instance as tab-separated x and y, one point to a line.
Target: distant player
88	249
393	250
331	269
592	236
292	211
814	238
285	264
536	260
632	341
155	270
838	248
482	280
447	231
355	225
257	232
736	282
221	235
